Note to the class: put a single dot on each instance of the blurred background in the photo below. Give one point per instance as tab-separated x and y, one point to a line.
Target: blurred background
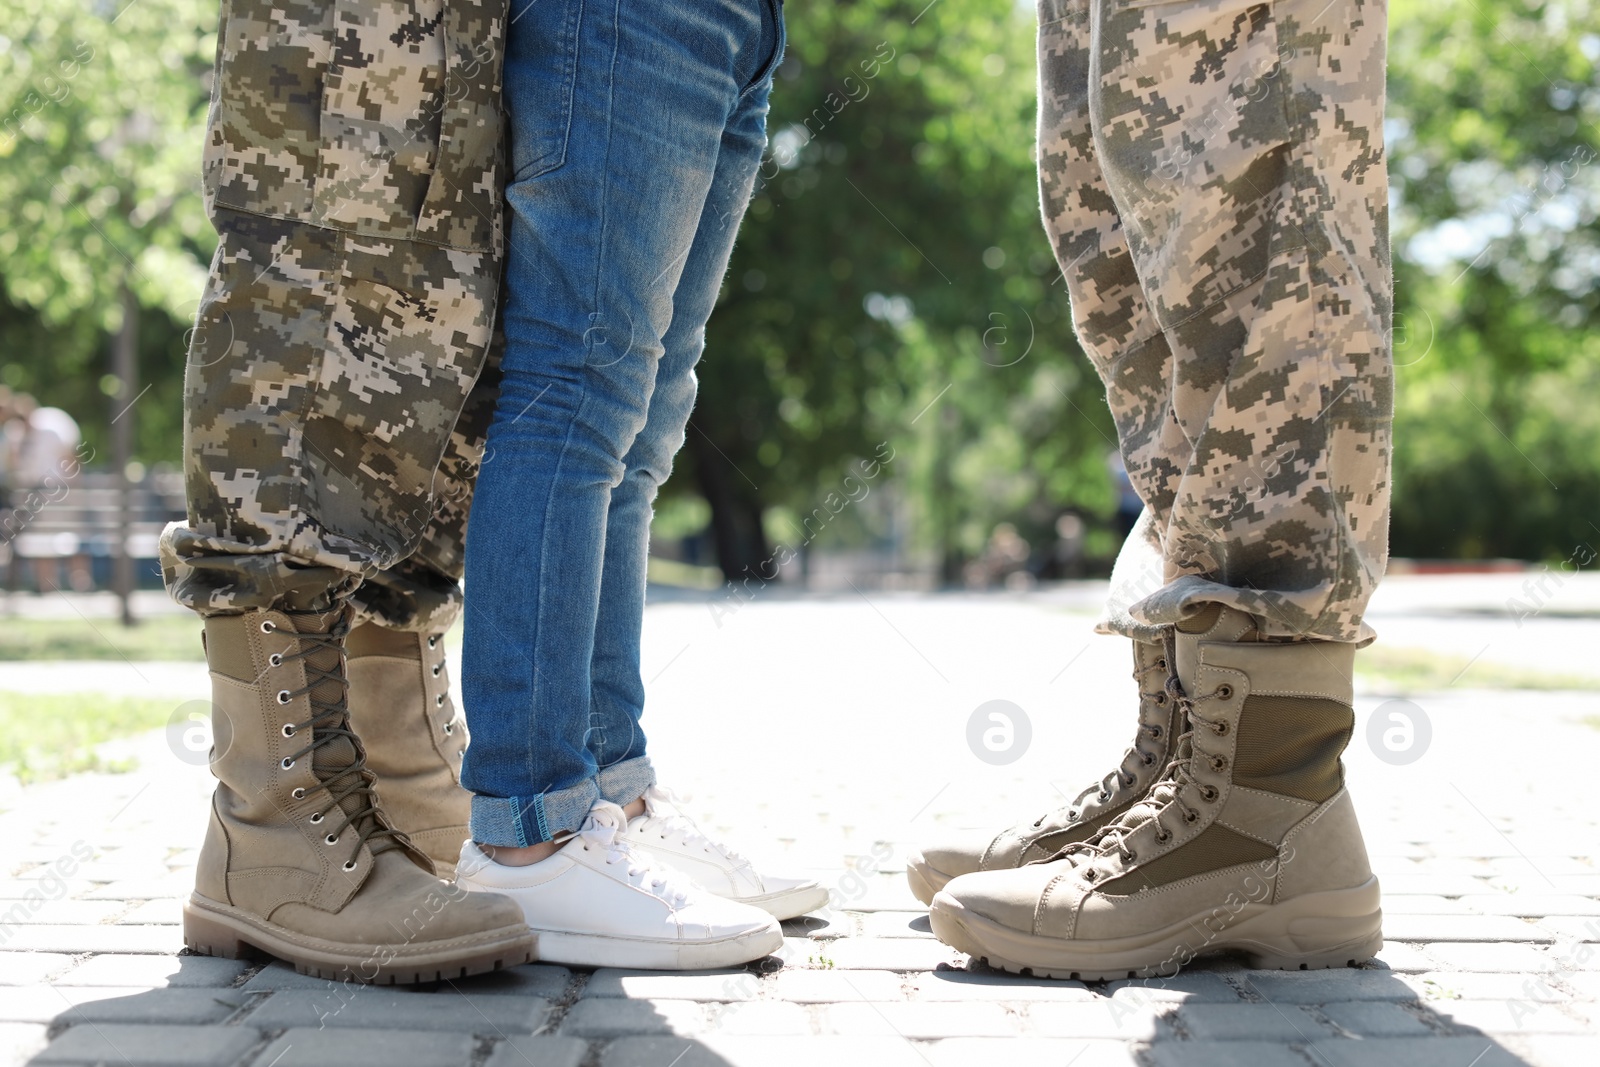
891	394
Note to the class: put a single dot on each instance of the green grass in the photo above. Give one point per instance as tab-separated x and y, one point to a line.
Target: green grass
166	637
1418	670
54	735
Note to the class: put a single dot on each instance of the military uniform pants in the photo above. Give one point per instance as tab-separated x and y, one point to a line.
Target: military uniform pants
336	395
1212	178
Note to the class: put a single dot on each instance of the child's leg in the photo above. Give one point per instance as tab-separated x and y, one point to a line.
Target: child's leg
618	117
615	739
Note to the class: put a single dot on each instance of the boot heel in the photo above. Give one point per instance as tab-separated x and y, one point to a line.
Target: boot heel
1351	954
207	937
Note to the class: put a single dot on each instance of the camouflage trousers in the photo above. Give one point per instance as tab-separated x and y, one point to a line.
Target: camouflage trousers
336	390
1212	177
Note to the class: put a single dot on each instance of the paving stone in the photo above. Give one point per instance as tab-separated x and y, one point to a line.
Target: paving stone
1573	928
770	1018
175	886
19	1041
1401	1052
728	1050
1375	1018
1243	1022
154	913
529	979
30	968
919	1020
1587	984
150	1046
1108	1018
828	925
824	987
607	1017
1185	985
896	924
1550	1050
724	985
374	1008
58	912
540	1051
1233	1054
970	985
1324	987
1461	928
1428	884
1537	905
1479	985
303	1047
49	1004
1401	957
1507	1016
279	975
167	940
154	972
882	954
1489	957
1029	1052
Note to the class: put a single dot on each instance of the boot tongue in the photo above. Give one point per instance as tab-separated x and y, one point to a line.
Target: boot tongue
337	754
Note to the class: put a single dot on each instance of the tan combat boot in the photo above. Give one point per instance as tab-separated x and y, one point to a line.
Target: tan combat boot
298	861
1037	839
401	709
1248	843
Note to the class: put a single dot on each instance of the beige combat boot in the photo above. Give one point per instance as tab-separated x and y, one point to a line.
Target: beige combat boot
400	708
1248	843
298	860
1037	839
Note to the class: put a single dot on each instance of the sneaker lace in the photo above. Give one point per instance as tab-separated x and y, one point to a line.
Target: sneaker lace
1167	792
664	816
602	830
330	724
1121	776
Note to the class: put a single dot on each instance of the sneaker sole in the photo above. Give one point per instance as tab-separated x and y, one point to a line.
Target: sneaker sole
925	880
598	950
211	928
1334	928
790	903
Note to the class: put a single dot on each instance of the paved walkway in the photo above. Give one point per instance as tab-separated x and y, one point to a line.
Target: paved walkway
831	736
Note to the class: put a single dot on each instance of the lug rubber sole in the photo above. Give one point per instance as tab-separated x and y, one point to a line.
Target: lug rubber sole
598	950
789	903
211	928
925	879
1334	928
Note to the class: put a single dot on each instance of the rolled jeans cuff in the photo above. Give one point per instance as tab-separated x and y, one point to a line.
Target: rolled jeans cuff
515	822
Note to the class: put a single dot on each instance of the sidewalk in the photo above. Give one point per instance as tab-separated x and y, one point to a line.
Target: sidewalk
830	735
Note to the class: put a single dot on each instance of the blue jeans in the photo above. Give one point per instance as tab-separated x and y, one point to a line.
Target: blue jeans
637	130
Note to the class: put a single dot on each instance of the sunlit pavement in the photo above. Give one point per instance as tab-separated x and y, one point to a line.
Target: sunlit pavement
832	734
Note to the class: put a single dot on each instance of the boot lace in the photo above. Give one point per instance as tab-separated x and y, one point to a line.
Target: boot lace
1168	792
329	723
1122	776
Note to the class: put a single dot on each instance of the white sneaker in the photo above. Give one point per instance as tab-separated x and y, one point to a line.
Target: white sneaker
596	903
671	838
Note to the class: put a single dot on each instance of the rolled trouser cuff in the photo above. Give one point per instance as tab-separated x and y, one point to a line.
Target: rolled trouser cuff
514	822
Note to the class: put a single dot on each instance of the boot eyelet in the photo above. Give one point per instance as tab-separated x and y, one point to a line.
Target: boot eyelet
315	819
1072	816
1155	732
1132	778
1220	729
1191	816
275	660
1149	761
288	729
1224	691
298	794
1090	875
433	640
1163	837
267	626
1161	700
349	865
1130	856
1104	797
1161	664
437	669
1210	793
438	701
284	697
331	839
1218	762
286	763
449	728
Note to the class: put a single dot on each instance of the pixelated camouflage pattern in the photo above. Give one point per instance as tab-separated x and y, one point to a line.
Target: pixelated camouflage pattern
1212	176
352	169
